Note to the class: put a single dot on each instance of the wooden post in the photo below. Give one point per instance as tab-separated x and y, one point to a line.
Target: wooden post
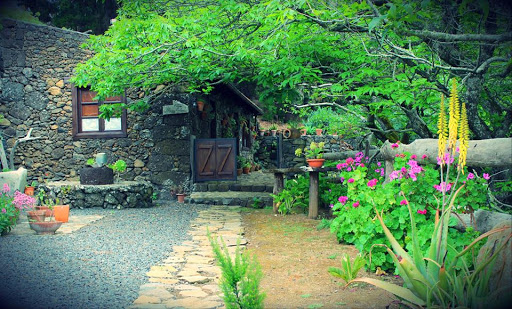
313	194
278	187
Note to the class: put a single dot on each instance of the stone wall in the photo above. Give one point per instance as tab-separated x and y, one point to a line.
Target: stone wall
126	194
36	63
267	153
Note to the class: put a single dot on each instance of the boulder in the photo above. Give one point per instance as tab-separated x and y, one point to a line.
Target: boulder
501	276
485	220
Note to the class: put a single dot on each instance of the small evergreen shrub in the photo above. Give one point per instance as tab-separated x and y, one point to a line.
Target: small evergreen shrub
240	277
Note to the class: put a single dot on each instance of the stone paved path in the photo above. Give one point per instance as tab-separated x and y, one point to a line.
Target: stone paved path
189	277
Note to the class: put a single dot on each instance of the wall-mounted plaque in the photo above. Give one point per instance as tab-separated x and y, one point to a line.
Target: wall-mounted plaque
175	108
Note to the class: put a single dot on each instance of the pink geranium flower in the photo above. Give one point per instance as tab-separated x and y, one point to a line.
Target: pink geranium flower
414	157
471	176
394	145
6	188
349	161
350	180
424	156
356	204
403	202
486	176
422	212
443	187
372	183
343	199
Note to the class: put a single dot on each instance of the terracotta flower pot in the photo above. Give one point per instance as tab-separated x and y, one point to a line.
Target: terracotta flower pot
315	163
36	215
29	191
181	197
61	213
238	171
246	170
262	132
303	132
318	132
45	228
274	132
200	105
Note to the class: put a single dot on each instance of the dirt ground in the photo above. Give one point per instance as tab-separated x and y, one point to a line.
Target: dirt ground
295	256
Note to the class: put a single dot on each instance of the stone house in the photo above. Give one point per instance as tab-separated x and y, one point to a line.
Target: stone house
36	63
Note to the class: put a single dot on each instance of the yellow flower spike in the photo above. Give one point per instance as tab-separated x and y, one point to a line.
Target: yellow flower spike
463	137
441	125
312	146
454	118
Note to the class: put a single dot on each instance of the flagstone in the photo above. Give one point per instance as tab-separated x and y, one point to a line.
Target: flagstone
192	303
193	293
145	299
196	279
163	280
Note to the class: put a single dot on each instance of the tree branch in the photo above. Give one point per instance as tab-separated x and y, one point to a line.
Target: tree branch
451	38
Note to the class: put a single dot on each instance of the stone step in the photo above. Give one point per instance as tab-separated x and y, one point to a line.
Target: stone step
231	198
236	187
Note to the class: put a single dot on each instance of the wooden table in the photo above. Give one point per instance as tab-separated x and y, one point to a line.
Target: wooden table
314	175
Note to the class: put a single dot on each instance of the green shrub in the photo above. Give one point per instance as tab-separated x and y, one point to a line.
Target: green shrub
240	278
355	218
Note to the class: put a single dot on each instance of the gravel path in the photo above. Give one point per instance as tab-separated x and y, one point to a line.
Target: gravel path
100	266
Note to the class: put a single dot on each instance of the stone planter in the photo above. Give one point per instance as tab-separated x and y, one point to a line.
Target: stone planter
96	176
45	228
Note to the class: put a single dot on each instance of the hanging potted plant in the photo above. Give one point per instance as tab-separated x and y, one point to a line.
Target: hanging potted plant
313	153
200	104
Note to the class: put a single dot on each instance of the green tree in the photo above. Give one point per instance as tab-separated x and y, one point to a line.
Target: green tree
384	61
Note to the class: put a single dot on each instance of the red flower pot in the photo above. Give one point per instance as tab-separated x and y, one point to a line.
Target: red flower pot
315	163
181	197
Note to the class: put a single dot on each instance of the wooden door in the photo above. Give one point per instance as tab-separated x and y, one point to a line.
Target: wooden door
215	159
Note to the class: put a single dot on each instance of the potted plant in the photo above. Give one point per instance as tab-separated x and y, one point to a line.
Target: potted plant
273	129
118	167
246	167
313	153
200	104
49	225
97	173
240	164
53	206
179	192
29	190
11	205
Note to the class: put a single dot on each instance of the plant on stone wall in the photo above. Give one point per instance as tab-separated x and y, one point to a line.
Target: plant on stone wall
240	278
118	167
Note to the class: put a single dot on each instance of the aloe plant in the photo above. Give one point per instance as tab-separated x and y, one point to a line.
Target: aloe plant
348	271
440	279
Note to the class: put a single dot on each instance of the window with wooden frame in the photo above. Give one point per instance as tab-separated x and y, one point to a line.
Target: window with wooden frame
86	120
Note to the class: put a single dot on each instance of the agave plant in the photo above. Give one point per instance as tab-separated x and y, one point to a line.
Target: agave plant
439	279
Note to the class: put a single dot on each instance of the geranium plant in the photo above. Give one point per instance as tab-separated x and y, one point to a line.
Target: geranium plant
10	206
441	278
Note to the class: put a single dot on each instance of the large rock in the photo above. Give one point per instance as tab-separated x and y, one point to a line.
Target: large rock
483	219
501	276
17	180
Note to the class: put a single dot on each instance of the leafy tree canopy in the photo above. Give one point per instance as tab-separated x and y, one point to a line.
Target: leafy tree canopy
386	61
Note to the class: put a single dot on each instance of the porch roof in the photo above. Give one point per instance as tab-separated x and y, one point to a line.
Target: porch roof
244	98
